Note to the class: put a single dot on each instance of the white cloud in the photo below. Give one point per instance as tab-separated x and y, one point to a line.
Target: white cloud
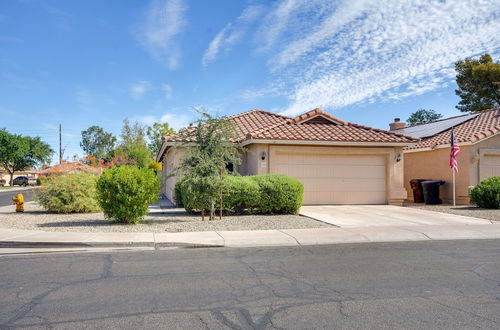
167	89
332	54
138	89
164	20
231	34
176	121
367	52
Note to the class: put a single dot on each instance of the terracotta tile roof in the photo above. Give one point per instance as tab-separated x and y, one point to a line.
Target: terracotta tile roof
317	113
331	132
263	125
69	167
480	127
245	123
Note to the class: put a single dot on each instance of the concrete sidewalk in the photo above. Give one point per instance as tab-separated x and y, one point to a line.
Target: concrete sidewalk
14	238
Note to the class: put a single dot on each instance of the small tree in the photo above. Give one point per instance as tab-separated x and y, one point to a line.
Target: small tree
423	116
97	143
478	84
211	148
133	149
155	133
18	153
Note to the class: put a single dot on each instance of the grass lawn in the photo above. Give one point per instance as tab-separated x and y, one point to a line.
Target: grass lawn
5	187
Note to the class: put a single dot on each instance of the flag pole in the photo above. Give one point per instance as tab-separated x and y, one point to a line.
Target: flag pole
454	202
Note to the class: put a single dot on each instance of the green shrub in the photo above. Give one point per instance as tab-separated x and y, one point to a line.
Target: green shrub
71	193
124	193
193	192
279	194
260	194
178	193
240	194
487	193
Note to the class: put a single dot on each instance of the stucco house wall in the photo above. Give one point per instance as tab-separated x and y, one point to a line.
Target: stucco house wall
253	163
170	163
485	159
434	164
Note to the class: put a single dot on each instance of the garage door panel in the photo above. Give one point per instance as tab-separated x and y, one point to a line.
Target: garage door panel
361	171
335	179
489	166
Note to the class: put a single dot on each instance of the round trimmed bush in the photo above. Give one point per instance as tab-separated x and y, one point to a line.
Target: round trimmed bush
71	193
125	192
240	194
487	193
279	194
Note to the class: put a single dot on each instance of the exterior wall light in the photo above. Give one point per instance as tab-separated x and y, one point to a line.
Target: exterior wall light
398	158
263	155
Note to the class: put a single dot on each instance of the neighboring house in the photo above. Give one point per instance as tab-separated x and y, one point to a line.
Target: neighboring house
477	135
338	162
69	167
4	175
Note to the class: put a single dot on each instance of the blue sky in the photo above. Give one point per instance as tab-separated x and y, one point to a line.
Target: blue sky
92	62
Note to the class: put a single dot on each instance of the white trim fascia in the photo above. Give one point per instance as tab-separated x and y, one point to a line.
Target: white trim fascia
328	143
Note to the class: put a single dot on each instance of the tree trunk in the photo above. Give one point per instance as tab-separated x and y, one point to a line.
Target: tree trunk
202	214
221	188
11	181
212	206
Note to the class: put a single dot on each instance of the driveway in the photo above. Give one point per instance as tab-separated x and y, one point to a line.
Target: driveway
351	216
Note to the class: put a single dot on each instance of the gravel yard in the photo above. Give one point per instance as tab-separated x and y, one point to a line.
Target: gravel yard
465	210
34	218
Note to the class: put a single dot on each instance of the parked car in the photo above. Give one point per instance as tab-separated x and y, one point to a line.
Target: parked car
24	181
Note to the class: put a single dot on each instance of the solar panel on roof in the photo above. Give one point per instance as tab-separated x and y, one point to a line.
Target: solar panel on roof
431	129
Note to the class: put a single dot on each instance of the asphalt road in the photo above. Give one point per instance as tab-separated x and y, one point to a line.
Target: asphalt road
6	196
414	285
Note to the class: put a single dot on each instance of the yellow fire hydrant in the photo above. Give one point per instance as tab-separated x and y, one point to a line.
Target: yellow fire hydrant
19	201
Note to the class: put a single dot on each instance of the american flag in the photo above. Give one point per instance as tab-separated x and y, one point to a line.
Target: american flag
454	151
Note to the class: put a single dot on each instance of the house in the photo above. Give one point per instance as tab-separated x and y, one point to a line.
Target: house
69	167
5	176
338	162
477	135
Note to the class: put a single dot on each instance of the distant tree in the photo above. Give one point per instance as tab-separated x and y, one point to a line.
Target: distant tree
97	143
133	149
155	133
423	116
478	84
18	153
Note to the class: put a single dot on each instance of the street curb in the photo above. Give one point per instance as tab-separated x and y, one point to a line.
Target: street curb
21	244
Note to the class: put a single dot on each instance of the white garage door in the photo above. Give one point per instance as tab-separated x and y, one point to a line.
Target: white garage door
335	179
489	166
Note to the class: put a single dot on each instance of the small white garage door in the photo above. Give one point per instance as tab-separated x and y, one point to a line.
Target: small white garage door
489	166
335	179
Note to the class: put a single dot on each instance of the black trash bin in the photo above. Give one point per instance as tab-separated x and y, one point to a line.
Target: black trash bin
416	186
431	191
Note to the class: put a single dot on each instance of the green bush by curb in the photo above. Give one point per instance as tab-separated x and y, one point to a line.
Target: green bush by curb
487	193
125	192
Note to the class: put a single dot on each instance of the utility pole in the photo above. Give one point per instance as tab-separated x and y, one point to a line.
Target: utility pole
60	144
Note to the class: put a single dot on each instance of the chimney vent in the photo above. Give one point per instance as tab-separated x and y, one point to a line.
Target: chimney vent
397	124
